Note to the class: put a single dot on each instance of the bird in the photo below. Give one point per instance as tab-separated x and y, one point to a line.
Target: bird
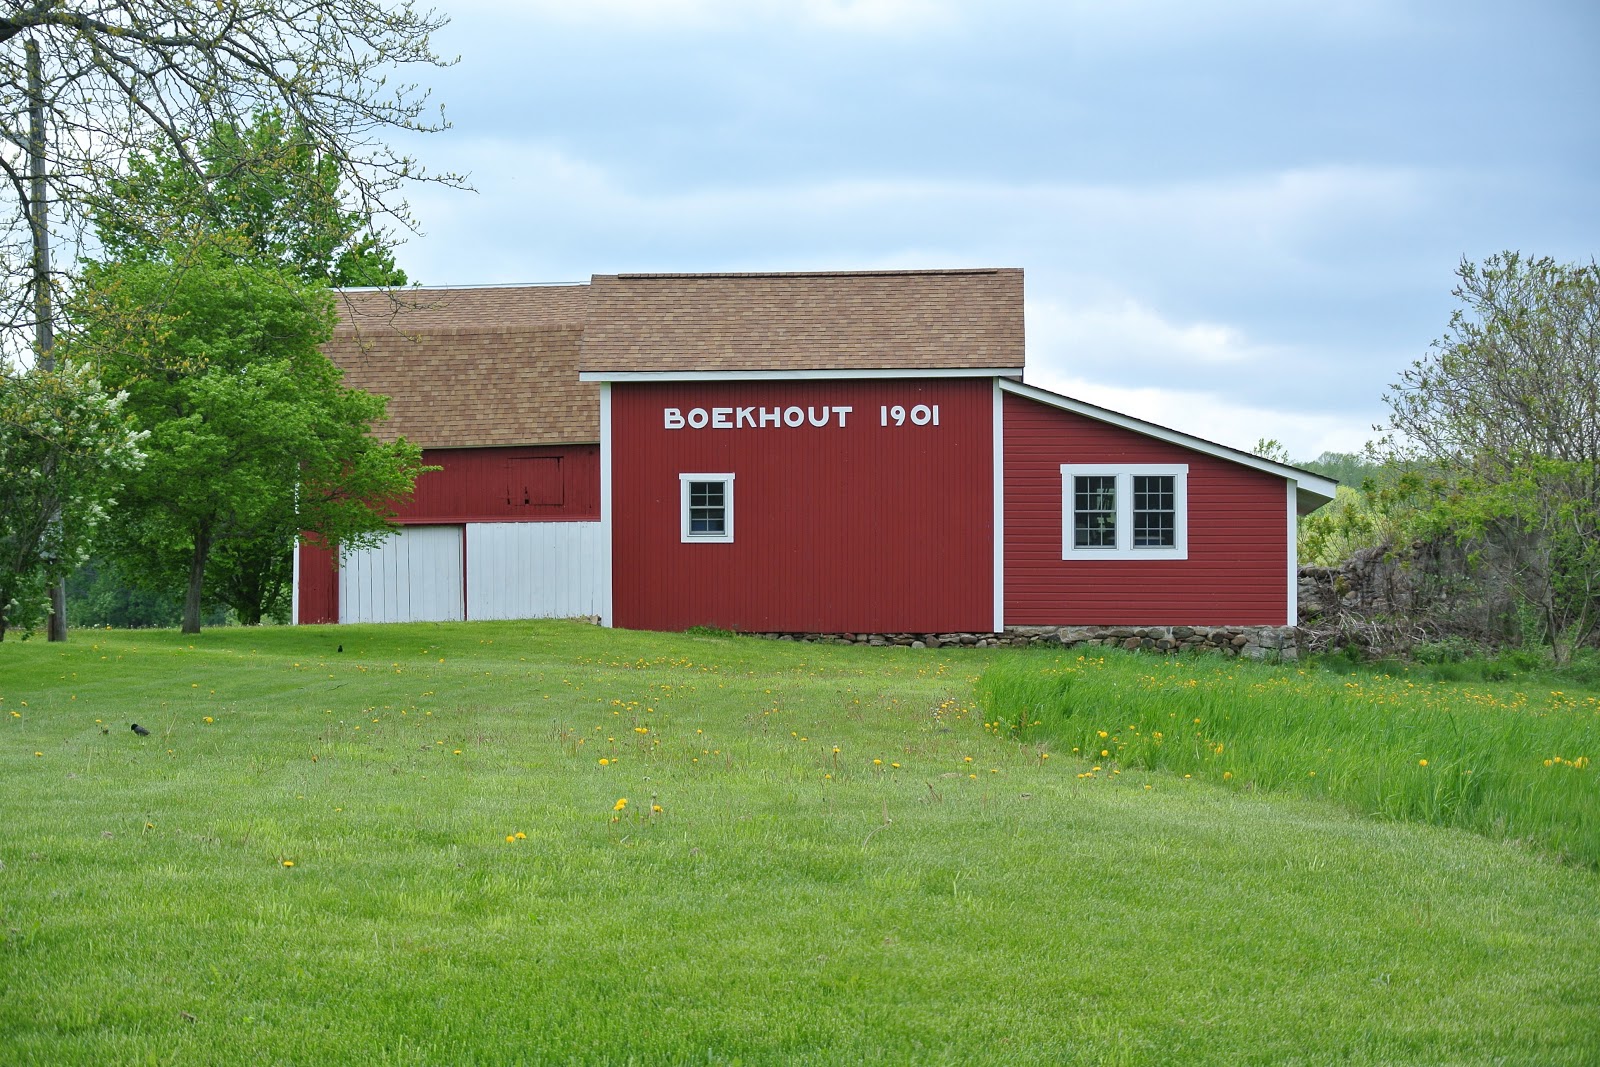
340	648
140	730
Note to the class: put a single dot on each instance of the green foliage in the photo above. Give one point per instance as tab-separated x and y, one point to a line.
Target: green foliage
252	436
265	189
66	444
767	914
1348	468
1500	762
1500	428
1356	519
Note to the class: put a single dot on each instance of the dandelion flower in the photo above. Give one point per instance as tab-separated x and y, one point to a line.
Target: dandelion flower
511	839
604	762
877	763
1422	763
288	863
1227	776
896	766
656	808
520	836
209	719
621	803
38	753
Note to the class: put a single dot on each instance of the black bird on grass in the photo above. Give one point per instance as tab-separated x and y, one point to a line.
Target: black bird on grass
140	730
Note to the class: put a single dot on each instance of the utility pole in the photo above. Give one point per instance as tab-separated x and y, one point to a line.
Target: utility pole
43	311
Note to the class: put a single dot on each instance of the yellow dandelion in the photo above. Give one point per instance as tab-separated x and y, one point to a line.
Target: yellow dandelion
1227	776
966	759
457	751
1422	763
656	808
621	803
972	776
1104	752
896	766
604	762
288	863
209	719
511	839
877	763
38	753
520	836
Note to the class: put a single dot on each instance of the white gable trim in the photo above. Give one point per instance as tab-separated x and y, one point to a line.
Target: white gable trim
1318	489
793	375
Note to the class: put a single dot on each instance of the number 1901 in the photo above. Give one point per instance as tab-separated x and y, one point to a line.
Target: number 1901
921	415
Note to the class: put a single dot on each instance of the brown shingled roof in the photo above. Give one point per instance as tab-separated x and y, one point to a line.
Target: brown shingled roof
471	367
855	320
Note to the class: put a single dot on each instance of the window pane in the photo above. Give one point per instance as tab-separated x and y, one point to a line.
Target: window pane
1155	515
708	513
1094	511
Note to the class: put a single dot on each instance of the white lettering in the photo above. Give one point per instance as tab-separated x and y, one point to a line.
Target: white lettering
674	418
936	414
746	417
921	415
811	417
773	417
883	415
793	416
898	414
842	412
697	418
719	418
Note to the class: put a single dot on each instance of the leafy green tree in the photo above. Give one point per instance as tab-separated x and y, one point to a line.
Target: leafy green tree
264	185
66	444
252	434
1500	427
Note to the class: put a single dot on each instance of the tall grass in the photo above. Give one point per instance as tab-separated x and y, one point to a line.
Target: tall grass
1507	762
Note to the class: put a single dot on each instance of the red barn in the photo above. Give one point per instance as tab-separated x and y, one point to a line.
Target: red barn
849	452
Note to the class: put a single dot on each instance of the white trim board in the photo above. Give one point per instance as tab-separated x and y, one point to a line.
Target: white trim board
999	525
793	375
605	506
1313	489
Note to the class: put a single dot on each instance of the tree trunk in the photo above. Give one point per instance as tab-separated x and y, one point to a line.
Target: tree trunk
197	581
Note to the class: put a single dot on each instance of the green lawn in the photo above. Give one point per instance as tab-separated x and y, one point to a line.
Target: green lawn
787	903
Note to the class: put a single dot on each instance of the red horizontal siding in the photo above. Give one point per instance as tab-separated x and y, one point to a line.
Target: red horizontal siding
836	529
1237	567
529	484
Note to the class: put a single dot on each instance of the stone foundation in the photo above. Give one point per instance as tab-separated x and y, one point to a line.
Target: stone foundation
1252	642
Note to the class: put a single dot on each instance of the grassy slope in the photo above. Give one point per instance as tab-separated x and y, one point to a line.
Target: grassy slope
767	913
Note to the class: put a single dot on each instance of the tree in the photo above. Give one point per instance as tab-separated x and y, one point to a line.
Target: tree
1501	425
252	434
114	77
111	77
265	185
66	444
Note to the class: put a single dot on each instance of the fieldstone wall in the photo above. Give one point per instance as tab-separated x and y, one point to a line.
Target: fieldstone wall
1252	642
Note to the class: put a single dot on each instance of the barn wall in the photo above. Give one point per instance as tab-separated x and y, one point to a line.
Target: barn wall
552	484
316	593
841	528
413	575
1235	573
533	570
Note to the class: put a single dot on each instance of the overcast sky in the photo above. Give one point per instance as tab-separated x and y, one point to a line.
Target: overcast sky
1237	218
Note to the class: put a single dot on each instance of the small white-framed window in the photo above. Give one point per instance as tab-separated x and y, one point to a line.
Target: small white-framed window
706	507
1127	511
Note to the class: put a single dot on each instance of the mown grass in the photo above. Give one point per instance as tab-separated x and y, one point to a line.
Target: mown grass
1498	760
980	902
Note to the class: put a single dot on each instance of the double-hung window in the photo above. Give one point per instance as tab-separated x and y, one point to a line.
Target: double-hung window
1132	511
706	507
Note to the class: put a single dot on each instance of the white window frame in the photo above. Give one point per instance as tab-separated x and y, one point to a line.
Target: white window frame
687	537
1124	475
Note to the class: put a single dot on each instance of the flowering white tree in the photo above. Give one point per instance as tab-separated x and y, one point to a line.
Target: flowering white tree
65	447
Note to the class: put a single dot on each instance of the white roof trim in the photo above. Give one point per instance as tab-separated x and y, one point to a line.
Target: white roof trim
792	375
1307	484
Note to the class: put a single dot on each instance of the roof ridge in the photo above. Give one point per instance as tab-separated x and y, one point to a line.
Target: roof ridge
813	273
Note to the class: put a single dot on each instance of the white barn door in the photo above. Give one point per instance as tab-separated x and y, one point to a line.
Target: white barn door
414	575
533	570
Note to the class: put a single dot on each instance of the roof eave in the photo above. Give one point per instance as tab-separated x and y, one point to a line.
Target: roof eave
797	373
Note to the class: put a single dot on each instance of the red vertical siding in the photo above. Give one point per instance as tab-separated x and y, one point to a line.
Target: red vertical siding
532	484
836	529
319	583
1237	567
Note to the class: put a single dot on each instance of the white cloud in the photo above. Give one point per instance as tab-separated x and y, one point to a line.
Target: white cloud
1065	338
1215	417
